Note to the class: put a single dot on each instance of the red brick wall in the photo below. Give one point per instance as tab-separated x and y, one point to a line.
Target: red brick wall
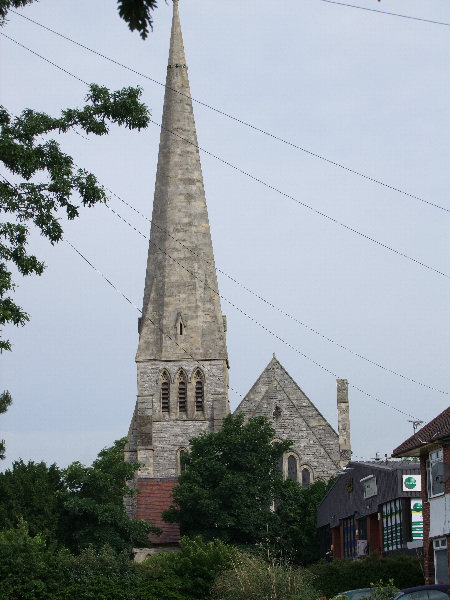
154	497
428	550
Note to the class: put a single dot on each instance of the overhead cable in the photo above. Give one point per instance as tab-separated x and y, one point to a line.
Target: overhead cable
261	298
383	12
240	121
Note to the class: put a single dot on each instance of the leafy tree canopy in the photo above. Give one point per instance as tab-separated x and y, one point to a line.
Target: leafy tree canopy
5	401
136	13
230	480
49	179
76	507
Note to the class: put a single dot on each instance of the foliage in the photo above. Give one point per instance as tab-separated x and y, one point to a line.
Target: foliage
252	578
340	575
136	13
194	567
5	401
383	591
229	482
77	507
296	537
24	564
35	493
28	157
95	509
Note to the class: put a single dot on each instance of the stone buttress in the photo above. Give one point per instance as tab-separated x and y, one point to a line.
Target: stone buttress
182	362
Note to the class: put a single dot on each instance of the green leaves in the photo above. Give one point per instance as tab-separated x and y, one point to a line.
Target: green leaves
229	483
51	184
137	14
76	507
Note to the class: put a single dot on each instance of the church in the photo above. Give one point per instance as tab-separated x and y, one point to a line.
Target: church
182	360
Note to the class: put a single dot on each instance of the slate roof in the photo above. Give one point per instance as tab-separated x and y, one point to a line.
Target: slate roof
346	497
437	429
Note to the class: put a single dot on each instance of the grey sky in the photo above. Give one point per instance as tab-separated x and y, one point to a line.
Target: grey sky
366	90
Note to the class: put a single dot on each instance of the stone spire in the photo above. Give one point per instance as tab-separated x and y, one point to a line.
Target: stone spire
180	295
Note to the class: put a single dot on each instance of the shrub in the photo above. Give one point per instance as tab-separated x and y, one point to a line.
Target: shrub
340	575
253	578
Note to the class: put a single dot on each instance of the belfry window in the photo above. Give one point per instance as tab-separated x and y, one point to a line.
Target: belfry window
165	392
181	392
199	391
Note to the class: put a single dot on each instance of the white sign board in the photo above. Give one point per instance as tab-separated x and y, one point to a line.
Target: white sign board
412	483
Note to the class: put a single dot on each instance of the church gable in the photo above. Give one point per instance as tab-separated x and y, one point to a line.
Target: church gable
277	396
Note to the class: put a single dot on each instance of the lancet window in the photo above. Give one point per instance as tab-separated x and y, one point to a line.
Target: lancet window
292	468
165	392
199	391
306	477
182	392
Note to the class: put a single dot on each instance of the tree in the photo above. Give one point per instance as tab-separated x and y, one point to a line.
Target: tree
76	507
35	493
230	480
295	535
94	506
5	401
26	157
137	13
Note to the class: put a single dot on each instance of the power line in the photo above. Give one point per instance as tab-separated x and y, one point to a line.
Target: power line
241	121
262	299
261	325
308	206
265	184
146	318
383	12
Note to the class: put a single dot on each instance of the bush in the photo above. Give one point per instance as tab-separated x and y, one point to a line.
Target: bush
253	578
190	572
340	575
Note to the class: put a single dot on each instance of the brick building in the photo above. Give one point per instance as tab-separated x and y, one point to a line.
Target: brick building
432	445
182	360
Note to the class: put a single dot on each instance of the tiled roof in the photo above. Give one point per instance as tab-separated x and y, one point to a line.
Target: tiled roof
435	430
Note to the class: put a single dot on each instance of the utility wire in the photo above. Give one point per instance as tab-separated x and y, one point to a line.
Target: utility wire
237	119
383	12
146	318
308	206
261	325
265	184
262	299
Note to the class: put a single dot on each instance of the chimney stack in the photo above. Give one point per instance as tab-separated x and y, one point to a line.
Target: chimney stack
345	453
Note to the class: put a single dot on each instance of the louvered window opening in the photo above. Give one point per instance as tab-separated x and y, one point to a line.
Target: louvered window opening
199	396
182	396
165	396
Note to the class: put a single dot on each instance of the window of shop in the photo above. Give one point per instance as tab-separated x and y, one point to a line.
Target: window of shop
435	473
349	531
392	525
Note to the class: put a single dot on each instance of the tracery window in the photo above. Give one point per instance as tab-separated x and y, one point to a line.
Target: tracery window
199	391
182	391
165	392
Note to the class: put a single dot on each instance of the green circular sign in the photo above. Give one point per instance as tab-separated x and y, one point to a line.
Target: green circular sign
410	483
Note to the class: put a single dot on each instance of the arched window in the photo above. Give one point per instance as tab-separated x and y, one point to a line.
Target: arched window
199	391
292	467
306	477
165	392
182	387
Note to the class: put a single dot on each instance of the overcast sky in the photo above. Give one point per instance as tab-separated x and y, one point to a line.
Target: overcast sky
366	90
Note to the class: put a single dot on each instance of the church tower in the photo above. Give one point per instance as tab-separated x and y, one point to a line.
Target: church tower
182	361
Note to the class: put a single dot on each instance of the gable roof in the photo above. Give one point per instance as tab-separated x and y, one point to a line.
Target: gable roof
437	429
